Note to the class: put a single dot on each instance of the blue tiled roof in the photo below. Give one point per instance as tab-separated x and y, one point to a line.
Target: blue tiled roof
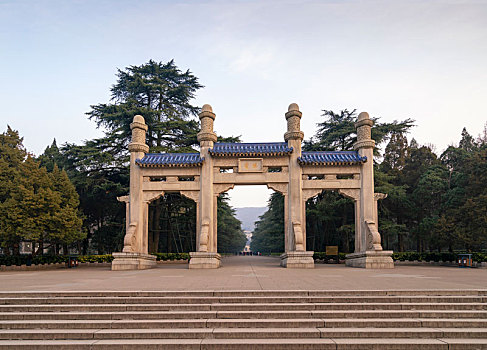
250	149
170	160
331	158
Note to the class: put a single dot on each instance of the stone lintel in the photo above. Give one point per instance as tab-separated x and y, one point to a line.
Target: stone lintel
132	261
371	259
204	260
298	260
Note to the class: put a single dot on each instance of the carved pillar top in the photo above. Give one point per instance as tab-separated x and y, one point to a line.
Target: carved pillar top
139	128
293	117
364	129
207	117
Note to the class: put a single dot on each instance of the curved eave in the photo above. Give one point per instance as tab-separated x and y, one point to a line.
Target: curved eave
302	161
250	154
169	165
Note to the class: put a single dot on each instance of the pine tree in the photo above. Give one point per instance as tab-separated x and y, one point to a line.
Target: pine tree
12	156
162	94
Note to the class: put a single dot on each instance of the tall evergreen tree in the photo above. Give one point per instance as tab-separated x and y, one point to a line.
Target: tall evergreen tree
162	94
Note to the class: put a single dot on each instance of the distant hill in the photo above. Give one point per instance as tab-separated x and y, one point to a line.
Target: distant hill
249	216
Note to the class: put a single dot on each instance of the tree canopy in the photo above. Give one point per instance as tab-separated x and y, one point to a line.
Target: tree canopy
35	205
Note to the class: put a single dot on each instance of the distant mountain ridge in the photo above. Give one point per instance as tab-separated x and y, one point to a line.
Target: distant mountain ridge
249	215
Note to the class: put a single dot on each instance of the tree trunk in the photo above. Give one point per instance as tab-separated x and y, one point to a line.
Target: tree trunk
40	250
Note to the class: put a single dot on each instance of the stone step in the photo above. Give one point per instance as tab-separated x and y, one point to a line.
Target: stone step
240	300
241	333
260	314
247	323
237	344
240	307
244	293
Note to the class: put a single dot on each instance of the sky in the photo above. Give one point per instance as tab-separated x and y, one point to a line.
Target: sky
425	60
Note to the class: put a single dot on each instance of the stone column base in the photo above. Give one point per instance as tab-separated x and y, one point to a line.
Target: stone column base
298	260
371	259
204	260
132	261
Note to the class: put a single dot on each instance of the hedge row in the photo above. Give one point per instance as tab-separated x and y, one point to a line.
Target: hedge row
434	256
413	256
27	259
323	256
171	256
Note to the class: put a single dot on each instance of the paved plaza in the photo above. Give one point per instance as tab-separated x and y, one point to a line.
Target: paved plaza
245	273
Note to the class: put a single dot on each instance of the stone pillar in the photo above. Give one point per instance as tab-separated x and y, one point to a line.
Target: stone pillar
296	255
206	256
371	254
134	253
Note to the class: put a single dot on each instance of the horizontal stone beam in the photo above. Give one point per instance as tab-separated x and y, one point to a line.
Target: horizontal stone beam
250	178
330	170
171	186
331	184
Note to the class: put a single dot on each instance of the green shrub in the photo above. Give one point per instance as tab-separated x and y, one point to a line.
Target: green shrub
323	256
435	256
171	256
27	259
95	258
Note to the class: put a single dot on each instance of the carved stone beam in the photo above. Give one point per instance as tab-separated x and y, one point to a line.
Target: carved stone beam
350	193
152	196
379	196
278	187
220	188
310	193
123	199
194	195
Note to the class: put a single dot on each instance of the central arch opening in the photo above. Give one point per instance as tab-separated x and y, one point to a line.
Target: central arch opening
261	211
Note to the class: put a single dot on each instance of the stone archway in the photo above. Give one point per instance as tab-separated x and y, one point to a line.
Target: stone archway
282	166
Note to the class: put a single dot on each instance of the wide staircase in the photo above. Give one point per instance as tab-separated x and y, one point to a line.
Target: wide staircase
448	319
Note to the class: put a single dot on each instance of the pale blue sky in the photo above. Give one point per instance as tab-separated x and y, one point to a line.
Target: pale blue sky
393	59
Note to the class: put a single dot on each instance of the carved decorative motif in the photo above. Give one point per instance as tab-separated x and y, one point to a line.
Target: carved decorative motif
194	195
220	188
350	193
204	235
123	199
129	240
364	144
138	147
373	236
310	193
293	124
298	236
293	135
152	196
278	187
364	133
138	135
206	136
379	196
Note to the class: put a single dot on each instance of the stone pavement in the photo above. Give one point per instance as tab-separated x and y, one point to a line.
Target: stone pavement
245	273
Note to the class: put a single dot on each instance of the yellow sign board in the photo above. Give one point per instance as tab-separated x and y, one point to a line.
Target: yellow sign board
331	250
250	165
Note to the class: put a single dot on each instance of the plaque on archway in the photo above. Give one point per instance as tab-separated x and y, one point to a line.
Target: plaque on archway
282	166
